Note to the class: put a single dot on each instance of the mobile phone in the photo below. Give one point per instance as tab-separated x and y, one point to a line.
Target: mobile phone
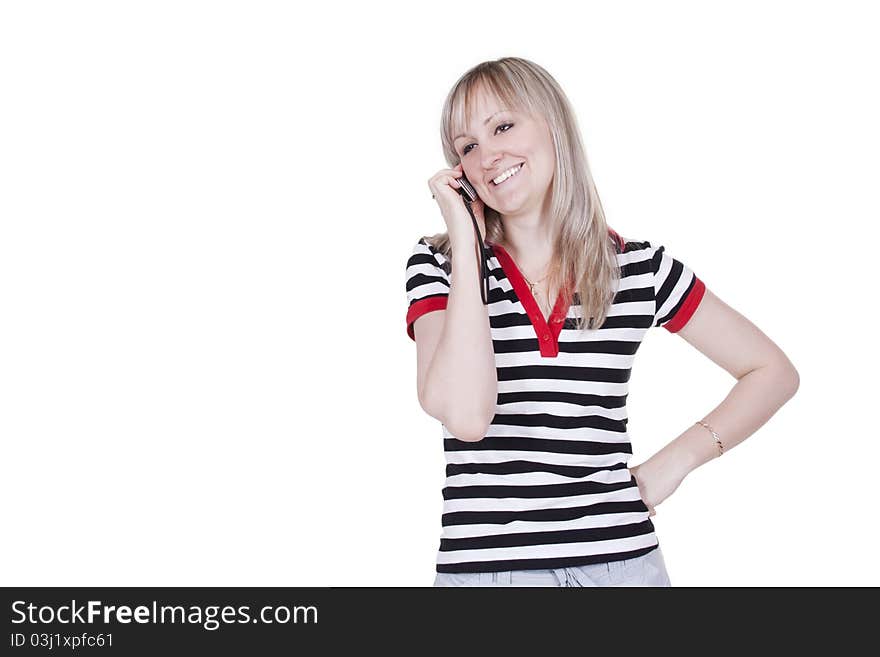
466	190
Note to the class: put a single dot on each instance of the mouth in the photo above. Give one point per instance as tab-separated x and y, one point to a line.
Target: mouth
520	166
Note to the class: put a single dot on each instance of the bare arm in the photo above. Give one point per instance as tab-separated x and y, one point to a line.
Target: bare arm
766	379
457	381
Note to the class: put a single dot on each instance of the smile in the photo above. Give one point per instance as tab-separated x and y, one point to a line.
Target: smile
510	173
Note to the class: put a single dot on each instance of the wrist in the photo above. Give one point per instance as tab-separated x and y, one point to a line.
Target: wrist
465	241
674	462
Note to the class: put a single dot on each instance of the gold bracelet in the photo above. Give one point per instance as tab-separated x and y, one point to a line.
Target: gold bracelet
714	435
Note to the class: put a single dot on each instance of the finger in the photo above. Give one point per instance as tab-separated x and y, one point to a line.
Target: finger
452	182
449	175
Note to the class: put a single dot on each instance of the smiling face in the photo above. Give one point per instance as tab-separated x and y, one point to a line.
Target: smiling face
509	139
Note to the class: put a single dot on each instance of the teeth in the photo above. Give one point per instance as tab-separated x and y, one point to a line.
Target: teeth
507	174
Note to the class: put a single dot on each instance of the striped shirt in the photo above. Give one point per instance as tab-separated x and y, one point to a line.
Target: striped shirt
549	486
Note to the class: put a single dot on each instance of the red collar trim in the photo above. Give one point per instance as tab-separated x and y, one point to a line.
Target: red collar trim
548	335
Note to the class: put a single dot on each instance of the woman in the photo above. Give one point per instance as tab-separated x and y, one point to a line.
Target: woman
531	388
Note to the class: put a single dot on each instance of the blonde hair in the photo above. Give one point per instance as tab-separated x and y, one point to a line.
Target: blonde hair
584	248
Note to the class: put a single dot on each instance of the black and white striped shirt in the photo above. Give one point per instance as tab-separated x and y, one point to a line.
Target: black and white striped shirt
549	485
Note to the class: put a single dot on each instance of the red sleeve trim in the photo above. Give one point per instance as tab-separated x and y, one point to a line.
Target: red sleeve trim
688	308
421	307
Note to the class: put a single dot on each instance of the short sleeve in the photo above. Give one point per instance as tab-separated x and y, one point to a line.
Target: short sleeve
677	291
427	283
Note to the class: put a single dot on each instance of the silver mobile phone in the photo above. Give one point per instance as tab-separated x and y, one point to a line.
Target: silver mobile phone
467	190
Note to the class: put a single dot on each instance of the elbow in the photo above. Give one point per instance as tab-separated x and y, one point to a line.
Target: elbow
468	429
469	425
794	382
469	433
462	428
790	377
786	377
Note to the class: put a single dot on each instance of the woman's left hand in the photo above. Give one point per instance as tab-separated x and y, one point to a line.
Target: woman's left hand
655	485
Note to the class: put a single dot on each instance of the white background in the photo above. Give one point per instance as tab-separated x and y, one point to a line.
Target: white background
207	208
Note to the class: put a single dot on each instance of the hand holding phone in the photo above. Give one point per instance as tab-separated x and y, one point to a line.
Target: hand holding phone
451	205
441	182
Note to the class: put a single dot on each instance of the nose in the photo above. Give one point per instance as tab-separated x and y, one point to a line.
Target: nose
490	160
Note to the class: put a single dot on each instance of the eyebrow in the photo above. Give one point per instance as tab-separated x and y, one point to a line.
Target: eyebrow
484	123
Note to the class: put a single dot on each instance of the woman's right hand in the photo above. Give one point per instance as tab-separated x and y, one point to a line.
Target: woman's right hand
444	187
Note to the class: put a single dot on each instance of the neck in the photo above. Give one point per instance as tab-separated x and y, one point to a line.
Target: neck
532	258
528	239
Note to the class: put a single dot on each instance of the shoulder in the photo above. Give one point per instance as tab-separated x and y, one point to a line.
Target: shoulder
423	247
628	244
425	253
638	257
639	247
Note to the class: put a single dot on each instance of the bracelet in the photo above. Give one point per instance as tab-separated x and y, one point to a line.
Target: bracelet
714	435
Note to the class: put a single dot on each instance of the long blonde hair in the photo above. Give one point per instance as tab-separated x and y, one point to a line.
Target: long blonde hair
584	248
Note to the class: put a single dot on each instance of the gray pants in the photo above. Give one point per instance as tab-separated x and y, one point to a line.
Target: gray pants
646	570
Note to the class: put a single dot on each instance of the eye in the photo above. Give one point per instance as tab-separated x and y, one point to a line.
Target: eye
464	151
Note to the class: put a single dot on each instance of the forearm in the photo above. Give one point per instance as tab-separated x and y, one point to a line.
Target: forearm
752	401
461	378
